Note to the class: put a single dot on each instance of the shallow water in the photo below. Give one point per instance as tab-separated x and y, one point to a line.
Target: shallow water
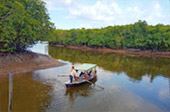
131	84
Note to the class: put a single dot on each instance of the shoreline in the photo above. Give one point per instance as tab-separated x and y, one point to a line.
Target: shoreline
127	52
26	62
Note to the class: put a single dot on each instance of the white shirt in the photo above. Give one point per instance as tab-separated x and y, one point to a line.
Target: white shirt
73	72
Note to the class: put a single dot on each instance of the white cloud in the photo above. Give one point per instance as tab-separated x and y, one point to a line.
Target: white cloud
97	12
108	12
68	2
155	14
50	4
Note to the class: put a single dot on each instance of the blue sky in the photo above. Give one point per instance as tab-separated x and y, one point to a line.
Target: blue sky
68	14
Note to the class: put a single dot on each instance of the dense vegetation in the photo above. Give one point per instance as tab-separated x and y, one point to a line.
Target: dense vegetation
139	35
22	22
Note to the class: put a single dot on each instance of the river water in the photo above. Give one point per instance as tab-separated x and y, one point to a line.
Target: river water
131	84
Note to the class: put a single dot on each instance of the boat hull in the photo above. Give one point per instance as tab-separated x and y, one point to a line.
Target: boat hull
70	85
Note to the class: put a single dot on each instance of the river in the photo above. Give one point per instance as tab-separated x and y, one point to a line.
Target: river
131	84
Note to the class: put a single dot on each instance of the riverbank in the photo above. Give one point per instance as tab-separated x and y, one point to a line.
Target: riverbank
128	52
25	62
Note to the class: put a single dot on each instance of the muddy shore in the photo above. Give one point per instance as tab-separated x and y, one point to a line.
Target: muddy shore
25	62
128	52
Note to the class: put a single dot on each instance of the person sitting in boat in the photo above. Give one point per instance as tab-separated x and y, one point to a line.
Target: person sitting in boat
72	74
89	74
81	74
86	76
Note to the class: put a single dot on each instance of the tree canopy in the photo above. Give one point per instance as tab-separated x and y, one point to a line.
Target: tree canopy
22	22
139	35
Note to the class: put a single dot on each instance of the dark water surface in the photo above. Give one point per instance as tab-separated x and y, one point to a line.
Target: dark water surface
132	84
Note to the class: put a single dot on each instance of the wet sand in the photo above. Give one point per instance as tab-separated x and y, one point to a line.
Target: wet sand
128	52
26	62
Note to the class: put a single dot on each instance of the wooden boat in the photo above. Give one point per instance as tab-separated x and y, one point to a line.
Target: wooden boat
88	69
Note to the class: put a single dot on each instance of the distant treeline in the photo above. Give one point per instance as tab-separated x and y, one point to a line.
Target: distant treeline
139	35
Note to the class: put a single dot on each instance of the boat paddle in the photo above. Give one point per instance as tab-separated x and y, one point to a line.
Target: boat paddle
63	75
94	84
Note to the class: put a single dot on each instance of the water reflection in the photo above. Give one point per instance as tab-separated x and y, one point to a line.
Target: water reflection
144	79
134	67
169	86
83	90
28	94
132	84
120	93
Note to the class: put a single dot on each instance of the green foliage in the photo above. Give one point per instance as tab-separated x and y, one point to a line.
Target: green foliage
22	22
137	36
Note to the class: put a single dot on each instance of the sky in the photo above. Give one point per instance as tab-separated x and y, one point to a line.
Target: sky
69	14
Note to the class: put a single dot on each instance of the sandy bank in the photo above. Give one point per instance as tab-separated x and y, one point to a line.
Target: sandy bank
128	52
26	62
